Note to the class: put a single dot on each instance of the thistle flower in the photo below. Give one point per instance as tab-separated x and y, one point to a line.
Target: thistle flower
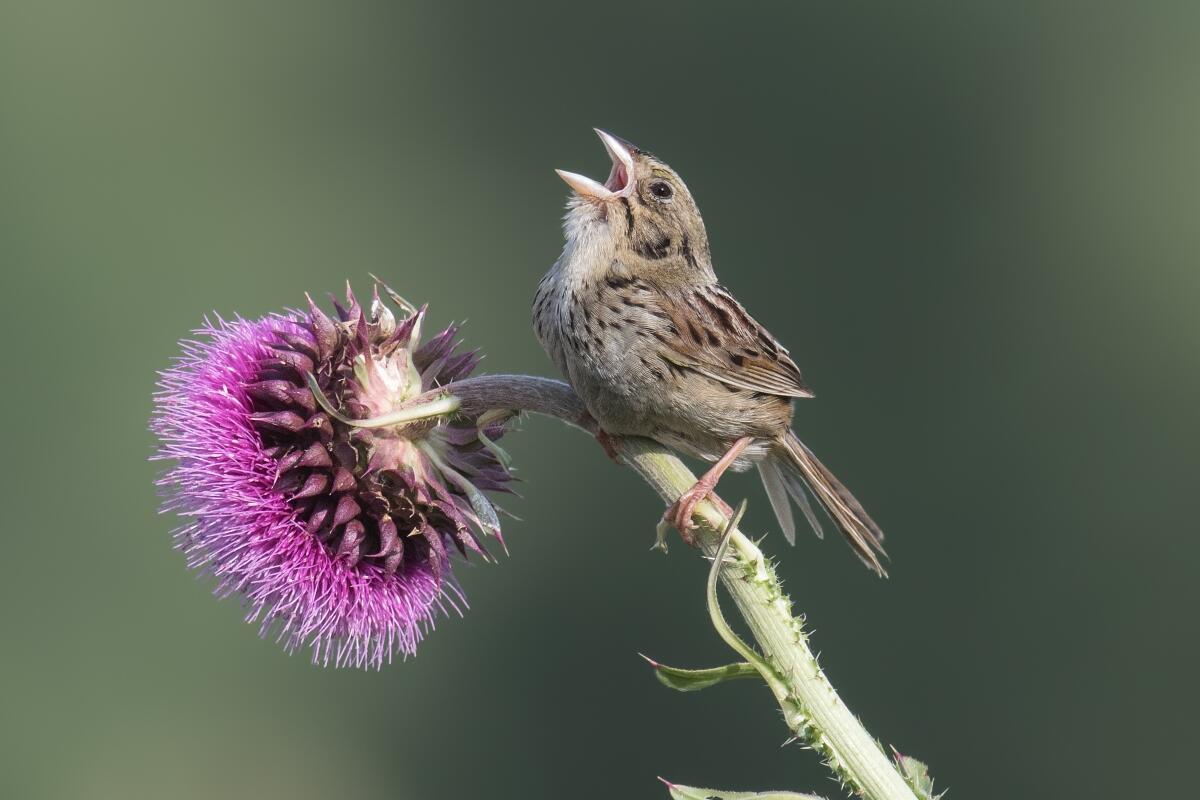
313	484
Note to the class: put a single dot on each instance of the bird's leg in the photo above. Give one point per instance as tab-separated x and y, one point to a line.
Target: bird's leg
680	512
608	442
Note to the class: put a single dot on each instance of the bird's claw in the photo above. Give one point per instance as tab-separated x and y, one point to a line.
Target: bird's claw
679	514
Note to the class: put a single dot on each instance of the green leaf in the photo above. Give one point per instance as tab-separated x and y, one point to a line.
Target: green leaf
916	775
693	680
727	633
692	793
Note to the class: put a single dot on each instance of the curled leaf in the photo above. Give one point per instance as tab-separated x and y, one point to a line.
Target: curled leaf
693	680
490	418
727	633
479	503
679	792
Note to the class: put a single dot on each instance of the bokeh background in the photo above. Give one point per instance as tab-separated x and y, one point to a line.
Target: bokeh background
976	226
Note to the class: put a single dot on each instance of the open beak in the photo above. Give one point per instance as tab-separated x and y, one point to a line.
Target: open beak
620	179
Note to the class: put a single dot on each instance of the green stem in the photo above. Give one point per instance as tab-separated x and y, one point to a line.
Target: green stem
809	702
811	706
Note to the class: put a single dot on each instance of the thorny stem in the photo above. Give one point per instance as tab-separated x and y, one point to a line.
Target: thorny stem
811	707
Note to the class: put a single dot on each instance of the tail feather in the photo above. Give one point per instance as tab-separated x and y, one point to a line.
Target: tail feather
791	467
777	493
795	487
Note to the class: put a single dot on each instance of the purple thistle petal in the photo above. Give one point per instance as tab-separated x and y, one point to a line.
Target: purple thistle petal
323	330
435	348
459	436
458	366
403	333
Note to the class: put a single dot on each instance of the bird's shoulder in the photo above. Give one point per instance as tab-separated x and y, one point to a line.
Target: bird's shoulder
712	333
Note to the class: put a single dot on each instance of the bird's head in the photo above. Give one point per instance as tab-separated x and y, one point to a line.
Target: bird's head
644	208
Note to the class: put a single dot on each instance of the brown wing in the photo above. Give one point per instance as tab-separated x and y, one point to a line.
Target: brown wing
717	338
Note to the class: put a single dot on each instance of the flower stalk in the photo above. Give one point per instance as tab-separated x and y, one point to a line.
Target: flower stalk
811	706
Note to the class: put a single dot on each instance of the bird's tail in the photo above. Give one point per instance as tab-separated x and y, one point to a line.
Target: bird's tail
788	469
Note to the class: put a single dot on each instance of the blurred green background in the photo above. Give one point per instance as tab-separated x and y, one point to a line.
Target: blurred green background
975	226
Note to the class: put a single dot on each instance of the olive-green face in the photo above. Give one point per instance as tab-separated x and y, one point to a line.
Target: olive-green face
663	219
643	209
660	191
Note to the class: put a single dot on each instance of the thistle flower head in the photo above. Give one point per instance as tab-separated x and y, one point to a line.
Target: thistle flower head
316	485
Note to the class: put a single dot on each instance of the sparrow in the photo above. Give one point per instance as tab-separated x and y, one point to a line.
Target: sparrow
634	317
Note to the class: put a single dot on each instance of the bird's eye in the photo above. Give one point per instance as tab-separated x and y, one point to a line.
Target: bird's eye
661	190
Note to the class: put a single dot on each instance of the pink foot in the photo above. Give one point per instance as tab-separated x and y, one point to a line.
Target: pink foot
609	443
680	512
